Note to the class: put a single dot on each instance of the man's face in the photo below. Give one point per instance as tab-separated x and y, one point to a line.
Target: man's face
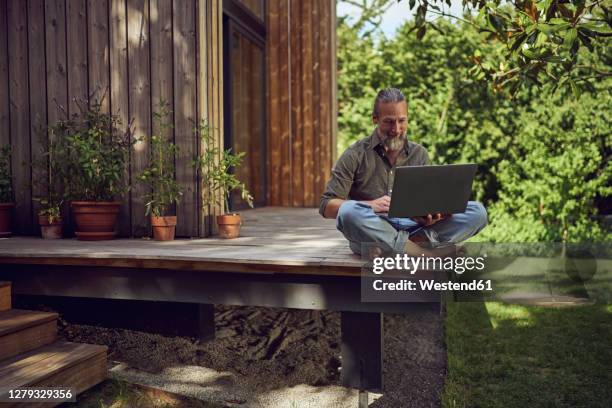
392	122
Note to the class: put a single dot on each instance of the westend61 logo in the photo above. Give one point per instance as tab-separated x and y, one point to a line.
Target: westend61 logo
510	272
412	264
420	278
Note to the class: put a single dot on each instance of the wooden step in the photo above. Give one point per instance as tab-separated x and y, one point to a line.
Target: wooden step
25	330
5	295
61	364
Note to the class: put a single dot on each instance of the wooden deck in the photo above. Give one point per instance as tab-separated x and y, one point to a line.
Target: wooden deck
286	257
273	239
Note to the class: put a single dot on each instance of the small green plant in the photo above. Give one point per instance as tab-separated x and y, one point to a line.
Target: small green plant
214	167
6	191
46	175
92	148
159	175
50	211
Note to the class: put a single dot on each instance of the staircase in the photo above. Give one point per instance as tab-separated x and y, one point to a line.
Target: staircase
31	356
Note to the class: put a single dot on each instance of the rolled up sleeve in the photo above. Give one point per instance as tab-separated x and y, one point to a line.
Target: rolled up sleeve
341	181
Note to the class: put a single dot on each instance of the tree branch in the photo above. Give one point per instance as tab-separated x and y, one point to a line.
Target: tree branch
443	14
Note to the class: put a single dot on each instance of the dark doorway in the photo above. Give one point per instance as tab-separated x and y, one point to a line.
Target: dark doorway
244	94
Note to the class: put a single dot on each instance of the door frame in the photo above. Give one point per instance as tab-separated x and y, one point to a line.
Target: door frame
237	17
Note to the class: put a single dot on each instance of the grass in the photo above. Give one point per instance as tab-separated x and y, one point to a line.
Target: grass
115	393
503	355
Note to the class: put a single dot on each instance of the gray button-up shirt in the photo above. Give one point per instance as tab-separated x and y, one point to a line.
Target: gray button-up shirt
363	172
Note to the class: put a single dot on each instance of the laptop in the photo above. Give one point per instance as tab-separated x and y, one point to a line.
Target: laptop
422	190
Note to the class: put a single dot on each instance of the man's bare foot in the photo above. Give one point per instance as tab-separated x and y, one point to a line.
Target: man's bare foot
419	238
374	252
416	249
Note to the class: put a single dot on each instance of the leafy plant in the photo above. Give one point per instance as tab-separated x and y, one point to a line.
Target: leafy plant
214	167
159	175
93	149
50	210
6	191
46	176
542	39
554	174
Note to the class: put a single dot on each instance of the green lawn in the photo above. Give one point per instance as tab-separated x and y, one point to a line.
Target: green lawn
503	355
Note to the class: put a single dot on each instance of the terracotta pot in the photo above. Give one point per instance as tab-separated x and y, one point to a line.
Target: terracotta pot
6	210
229	225
163	227
95	220
50	230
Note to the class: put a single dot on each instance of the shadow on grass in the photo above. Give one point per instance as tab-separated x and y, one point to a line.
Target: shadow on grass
502	355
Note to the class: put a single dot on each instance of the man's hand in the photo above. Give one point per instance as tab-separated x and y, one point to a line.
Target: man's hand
380	205
430	219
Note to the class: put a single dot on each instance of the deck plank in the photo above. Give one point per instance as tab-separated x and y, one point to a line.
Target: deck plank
279	240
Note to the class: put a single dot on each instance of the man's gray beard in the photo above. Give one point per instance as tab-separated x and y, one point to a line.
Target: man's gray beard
395	143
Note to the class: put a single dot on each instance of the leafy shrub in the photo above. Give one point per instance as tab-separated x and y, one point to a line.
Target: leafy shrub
214	167
46	176
93	149
159	175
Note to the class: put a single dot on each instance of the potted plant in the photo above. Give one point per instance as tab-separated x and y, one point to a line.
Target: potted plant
50	219
46	173
6	191
159	177
214	167
93	149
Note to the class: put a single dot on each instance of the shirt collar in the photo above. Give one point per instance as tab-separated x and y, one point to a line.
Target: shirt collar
374	140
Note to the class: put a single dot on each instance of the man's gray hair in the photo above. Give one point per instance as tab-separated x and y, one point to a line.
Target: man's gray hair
388	95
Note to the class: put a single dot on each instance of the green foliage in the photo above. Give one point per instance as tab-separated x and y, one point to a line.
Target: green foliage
544	156
359	65
6	191
159	175
214	167
51	211
93	150
542	39
555	171
46	176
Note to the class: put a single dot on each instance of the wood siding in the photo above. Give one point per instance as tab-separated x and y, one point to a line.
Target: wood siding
301	100
131	53
136	53
210	91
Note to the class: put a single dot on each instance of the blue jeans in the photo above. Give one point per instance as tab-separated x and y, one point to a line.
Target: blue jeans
360	225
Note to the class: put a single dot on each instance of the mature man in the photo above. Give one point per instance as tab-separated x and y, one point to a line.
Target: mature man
357	194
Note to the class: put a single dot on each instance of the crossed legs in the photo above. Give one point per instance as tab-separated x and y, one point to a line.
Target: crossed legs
360	225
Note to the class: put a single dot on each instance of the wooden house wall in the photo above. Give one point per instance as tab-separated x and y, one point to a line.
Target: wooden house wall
138	52
134	53
301	100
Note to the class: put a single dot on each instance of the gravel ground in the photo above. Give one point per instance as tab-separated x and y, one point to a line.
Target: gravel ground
263	357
